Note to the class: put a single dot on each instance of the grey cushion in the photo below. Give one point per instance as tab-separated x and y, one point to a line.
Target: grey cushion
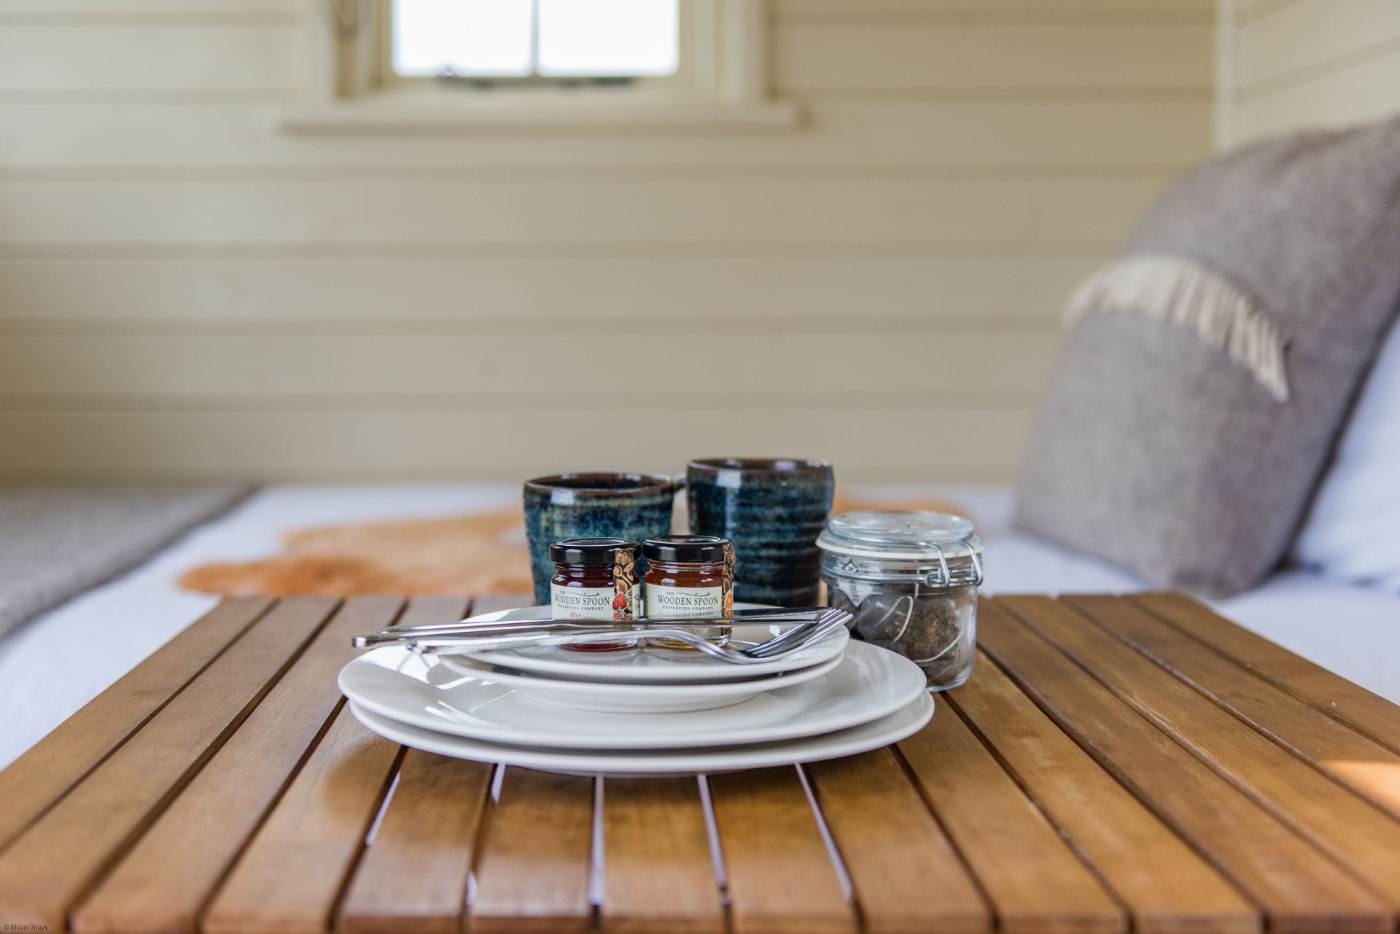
1189	421
56	542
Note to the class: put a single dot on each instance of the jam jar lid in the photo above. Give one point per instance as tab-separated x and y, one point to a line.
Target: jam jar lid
685	549
875	542
590	550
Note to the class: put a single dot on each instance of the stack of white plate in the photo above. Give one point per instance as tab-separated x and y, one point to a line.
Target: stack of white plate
644	711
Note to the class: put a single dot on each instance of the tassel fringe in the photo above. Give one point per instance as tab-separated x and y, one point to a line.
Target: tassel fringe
1179	291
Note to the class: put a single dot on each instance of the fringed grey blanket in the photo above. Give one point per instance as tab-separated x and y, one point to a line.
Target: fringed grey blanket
1212	364
56	542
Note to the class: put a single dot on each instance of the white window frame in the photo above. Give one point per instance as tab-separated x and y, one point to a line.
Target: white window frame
725	43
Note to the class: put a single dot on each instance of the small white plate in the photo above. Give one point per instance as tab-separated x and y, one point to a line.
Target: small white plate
419	690
891	728
652	665
612	697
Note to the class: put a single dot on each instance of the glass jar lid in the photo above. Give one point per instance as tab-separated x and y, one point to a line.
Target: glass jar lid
591	551
685	549
878	545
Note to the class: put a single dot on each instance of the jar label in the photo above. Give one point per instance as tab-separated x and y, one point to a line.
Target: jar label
589	602
672	602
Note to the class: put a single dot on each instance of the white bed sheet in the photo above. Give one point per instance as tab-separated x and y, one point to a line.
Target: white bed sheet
57	662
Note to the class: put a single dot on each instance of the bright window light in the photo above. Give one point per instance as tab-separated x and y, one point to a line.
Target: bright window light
551	38
466	37
608	37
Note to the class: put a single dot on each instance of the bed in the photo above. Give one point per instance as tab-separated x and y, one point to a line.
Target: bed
61	659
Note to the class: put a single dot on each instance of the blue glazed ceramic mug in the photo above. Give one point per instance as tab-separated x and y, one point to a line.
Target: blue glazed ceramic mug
772	509
635	506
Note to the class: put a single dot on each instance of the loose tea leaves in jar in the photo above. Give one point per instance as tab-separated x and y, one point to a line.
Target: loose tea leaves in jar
910	581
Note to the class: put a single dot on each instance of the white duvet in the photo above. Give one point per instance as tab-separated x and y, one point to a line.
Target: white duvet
54	664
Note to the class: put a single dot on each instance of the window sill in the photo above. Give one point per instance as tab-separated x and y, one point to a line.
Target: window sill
512	113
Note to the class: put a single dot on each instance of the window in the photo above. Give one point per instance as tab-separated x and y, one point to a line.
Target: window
534	39
443	65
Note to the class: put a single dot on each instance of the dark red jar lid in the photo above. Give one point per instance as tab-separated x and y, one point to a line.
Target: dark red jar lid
686	549
591	550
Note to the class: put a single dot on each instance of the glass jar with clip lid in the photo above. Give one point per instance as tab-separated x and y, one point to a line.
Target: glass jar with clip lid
910	579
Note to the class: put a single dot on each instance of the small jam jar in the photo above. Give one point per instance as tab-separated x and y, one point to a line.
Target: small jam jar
690	576
594	578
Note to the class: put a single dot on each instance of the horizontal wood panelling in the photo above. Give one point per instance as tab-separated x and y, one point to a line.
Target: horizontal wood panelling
1363	91
1305	64
982	56
774	291
188	8
219	57
957	54
1295	42
786	9
678	210
1041	137
187	292
783	8
963	442
490	365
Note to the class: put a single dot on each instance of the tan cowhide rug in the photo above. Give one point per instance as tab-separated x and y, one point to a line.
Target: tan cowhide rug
483	552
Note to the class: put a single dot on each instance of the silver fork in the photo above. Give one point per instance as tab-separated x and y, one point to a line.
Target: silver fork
780	645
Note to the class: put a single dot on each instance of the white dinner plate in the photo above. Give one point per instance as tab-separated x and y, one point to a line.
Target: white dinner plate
613	697
643	763
392	681
652	665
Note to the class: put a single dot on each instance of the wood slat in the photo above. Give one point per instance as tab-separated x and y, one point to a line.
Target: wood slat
906	876
321	294
1368	713
421	439
303	291
223	57
430	609
969	54
161	885
413	877
387	366
1300	888
533	871
490	603
291	874
51	865
1167	887
660	874
1366	767
48	769
1034	880
1351	829
780	876
417	211
873	134
1358	91
1300	41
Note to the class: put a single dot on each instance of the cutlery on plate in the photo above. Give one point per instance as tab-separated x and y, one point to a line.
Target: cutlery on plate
789	641
754	615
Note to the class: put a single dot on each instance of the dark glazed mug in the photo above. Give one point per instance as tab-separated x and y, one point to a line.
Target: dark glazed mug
635	506
772	509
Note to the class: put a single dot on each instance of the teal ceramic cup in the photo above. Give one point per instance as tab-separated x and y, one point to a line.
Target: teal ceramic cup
772	509
634	506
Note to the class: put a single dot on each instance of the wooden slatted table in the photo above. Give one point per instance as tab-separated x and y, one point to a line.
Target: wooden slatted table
1114	764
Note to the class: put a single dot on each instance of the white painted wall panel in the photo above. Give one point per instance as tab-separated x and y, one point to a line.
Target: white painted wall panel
188	292
1307	64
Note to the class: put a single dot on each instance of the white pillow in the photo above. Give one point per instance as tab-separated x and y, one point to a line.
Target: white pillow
1353	531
